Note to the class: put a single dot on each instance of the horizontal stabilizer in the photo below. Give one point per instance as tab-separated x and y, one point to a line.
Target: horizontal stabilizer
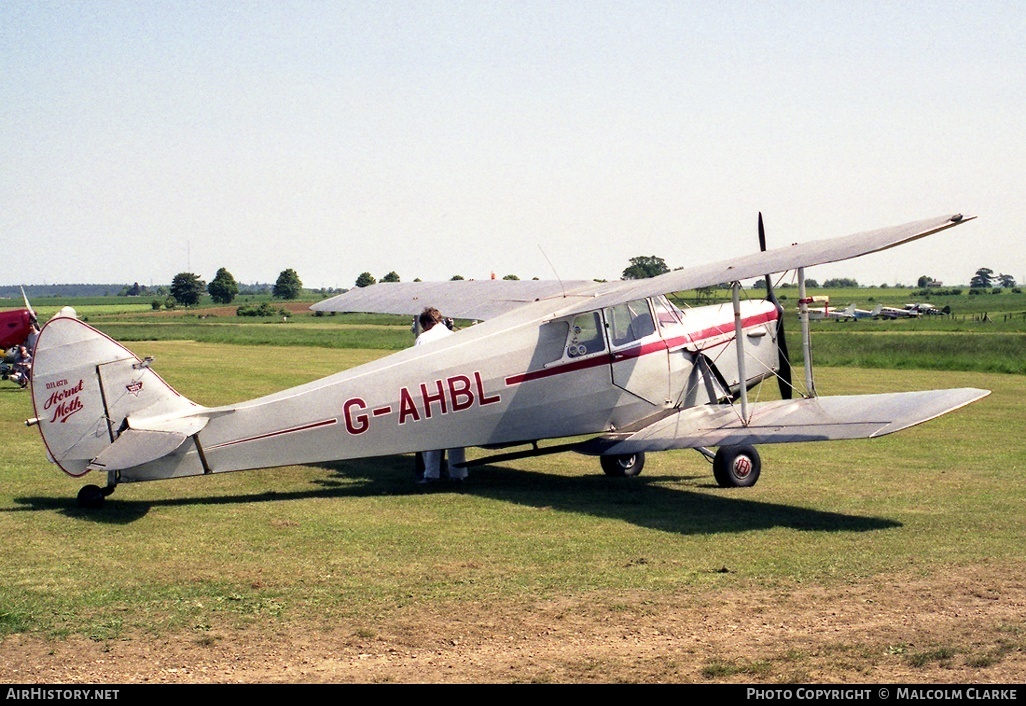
135	447
188	425
784	421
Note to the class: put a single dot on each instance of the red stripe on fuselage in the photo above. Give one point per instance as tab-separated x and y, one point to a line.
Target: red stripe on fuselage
638	351
595	362
724	329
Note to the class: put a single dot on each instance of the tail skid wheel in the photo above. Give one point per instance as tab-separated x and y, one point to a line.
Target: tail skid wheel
624	465
91	497
736	466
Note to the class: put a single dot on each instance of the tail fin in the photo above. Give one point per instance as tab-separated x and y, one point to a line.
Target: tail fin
85	388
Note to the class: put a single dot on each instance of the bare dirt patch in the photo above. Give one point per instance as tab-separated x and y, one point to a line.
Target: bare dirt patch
964	627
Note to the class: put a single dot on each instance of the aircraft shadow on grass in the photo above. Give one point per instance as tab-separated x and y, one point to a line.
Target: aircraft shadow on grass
641	500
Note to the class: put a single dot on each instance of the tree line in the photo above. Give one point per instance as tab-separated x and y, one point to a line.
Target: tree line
187	288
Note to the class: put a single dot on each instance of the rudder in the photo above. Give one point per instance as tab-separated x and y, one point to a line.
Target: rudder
84	388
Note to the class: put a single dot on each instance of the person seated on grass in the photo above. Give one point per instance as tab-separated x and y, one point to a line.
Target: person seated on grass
21	369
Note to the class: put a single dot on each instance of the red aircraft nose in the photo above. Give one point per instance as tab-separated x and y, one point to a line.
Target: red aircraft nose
15	327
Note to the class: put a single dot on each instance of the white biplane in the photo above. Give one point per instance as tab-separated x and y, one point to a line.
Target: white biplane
616	362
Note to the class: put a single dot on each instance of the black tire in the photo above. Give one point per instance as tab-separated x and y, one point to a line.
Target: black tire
91	497
622	466
737	466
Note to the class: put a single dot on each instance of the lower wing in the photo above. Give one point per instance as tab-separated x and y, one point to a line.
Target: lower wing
784	421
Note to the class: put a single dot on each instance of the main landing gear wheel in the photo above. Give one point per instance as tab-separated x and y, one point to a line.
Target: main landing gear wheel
736	466
624	465
91	497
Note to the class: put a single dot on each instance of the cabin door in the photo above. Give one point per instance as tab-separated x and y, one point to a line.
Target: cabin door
638	355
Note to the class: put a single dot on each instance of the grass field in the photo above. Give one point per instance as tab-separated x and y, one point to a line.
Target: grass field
356	547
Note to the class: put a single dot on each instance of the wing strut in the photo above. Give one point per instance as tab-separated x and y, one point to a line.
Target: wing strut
739	344
803	314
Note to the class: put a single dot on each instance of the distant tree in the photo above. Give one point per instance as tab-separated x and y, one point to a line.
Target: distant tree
840	283
287	286
511	277
365	279
1006	281
135	290
811	284
454	278
390	277
982	279
187	288
645	266
223	288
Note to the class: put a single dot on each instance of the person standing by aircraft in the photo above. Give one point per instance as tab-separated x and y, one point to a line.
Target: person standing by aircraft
432	328
30	341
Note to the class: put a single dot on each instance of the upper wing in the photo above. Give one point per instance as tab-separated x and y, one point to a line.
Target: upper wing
816	252
460	299
484	299
784	421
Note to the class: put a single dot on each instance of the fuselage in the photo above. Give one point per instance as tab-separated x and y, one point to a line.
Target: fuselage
528	375
521	377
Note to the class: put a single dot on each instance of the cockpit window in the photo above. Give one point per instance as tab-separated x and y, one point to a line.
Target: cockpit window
629	322
667	315
585	335
551	340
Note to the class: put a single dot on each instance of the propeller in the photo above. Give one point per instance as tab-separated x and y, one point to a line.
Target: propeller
28	306
784	374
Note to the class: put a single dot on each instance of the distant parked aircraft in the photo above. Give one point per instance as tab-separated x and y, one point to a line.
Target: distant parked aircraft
891	312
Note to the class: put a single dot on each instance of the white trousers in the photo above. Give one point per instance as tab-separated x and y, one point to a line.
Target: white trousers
433	464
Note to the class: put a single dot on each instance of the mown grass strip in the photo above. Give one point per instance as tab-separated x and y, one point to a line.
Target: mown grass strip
900	350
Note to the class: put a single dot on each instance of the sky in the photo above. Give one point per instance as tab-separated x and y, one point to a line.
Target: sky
143	139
